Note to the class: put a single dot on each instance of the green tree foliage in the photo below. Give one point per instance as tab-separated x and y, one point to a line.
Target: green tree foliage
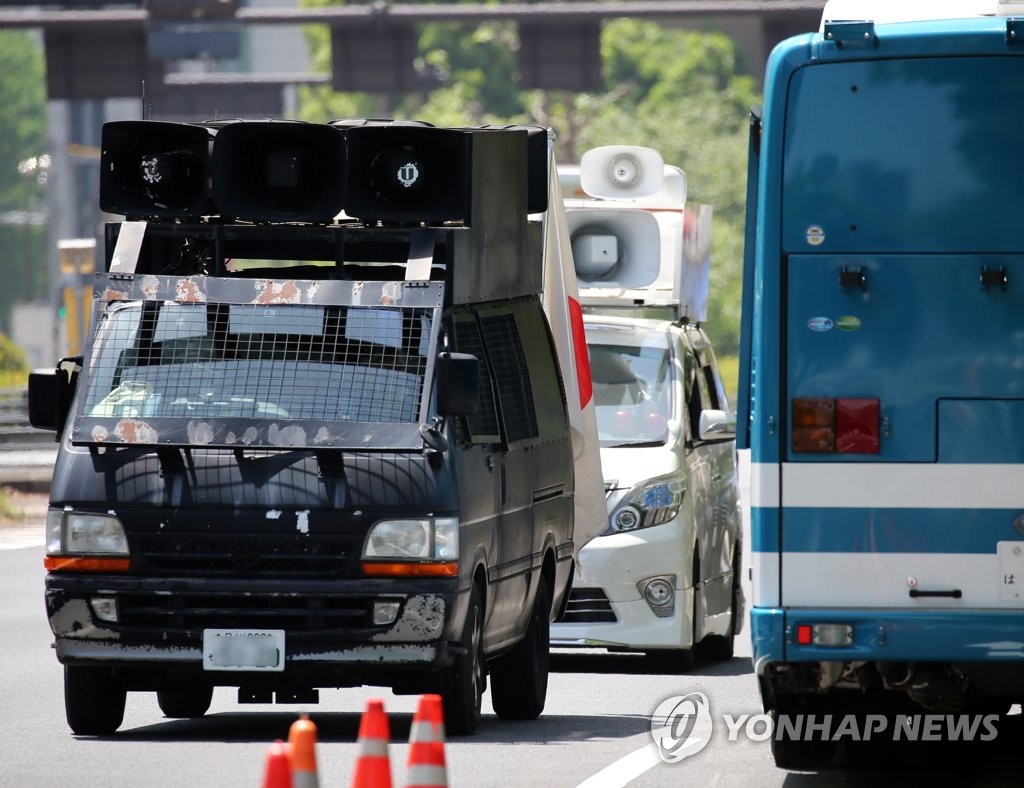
22	115
13	364
23	120
668	88
12	357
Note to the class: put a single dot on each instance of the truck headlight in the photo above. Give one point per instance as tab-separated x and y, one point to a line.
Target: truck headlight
652	502
94	534
85	542
424	546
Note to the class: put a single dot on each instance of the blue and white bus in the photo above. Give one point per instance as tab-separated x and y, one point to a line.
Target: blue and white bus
882	366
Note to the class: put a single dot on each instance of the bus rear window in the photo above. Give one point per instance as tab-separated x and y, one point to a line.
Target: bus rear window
904	156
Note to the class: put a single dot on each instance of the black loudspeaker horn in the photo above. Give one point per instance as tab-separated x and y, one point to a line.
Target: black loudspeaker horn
155	170
411	174
279	171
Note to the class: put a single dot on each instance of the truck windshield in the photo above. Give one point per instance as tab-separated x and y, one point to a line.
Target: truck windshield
632	394
158	359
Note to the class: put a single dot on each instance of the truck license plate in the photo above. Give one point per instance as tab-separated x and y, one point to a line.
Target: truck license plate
243	649
1011	571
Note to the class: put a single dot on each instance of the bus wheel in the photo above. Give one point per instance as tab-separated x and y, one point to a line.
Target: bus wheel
93	700
798	754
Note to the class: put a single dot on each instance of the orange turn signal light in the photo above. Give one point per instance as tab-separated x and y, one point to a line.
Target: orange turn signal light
409	569
73	563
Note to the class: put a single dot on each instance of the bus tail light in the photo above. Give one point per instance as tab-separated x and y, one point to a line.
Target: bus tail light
845	426
828	635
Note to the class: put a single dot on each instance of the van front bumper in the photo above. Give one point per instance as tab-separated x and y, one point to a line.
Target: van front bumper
325	624
614	565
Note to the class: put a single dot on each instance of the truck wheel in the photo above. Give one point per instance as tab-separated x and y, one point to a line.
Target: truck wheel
463	682
93	701
519	679
185	702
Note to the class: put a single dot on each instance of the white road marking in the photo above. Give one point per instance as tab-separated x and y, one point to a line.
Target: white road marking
626	769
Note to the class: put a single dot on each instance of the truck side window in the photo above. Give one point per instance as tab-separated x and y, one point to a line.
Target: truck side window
511	375
482	425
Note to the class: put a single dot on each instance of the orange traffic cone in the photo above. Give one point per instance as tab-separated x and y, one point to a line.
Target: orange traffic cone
278	772
302	753
426	746
373	768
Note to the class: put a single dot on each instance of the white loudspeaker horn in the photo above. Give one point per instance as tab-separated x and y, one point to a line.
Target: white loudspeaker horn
621	172
614	248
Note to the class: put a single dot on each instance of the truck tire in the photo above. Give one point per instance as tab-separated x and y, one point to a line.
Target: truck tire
463	682
93	701
185	702
519	679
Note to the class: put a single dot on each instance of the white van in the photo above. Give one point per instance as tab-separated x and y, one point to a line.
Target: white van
664	577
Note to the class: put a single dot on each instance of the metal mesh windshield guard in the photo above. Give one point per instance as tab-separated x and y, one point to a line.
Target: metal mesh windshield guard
205	361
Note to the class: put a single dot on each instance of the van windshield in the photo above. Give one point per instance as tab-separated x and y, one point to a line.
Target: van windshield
632	394
284	363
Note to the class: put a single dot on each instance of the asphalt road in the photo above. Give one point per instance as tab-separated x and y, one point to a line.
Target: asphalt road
595	732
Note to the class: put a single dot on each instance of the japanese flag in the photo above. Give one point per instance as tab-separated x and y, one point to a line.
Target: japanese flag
562	305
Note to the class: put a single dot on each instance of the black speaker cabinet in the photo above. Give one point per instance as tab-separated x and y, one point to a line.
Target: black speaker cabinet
537	157
411	174
279	171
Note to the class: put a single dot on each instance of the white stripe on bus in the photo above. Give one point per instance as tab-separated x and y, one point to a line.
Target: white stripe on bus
884	580
888	485
765	583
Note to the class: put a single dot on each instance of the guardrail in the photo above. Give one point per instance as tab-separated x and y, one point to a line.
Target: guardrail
26	454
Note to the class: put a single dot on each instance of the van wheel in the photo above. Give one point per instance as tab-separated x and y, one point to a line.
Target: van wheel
670	660
722	647
519	679
185	702
93	700
463	682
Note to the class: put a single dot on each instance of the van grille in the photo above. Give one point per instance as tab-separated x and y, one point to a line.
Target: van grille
588	606
308	613
245	555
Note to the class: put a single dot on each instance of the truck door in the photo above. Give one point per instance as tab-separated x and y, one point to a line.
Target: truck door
518	419
482	454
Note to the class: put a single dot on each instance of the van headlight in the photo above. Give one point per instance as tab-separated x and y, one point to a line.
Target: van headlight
652	502
85	542
422	546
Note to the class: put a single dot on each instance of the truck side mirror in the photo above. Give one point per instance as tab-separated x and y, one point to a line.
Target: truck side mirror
458	384
49	396
717	425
